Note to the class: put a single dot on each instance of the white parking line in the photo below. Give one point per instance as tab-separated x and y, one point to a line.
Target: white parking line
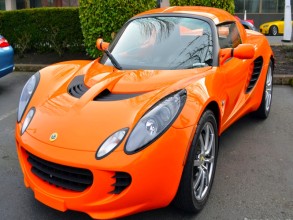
2	117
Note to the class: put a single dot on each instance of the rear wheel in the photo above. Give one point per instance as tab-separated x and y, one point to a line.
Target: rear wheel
274	30
265	106
199	170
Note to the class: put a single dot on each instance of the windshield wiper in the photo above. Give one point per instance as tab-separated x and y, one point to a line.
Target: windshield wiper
113	60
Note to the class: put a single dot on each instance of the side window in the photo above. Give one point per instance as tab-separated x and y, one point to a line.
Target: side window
228	35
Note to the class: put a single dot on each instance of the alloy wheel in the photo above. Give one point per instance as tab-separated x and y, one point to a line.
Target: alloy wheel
268	89
204	162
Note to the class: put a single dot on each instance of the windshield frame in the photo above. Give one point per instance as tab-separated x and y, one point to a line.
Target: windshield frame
209	21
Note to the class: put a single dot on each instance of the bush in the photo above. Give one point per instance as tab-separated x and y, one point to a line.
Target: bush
42	29
100	18
291	82
227	5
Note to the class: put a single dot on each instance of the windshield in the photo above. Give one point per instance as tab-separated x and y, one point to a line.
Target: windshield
163	43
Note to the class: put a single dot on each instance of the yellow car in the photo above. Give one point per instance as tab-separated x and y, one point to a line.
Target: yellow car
273	28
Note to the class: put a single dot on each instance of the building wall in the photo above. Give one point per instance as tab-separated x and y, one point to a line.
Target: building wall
261	11
21	4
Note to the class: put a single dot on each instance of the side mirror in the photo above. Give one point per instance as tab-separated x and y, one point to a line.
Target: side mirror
242	51
101	45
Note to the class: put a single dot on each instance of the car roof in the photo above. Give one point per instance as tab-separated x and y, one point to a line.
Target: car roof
215	14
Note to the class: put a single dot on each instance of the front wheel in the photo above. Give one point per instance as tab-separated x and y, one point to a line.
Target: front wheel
274	30
265	106
199	170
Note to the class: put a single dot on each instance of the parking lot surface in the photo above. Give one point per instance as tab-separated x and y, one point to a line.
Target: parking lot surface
254	175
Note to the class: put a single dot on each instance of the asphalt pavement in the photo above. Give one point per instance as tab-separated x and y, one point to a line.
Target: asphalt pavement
254	176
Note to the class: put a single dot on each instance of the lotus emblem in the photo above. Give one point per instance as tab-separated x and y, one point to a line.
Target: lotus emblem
53	137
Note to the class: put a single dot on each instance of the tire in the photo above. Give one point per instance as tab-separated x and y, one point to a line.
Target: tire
264	109
274	31
200	166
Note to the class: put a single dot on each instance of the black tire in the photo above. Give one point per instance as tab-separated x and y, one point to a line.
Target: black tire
265	106
186	198
274	31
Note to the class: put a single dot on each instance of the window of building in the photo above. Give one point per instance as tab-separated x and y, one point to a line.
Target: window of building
260	6
69	3
270	6
251	6
2	4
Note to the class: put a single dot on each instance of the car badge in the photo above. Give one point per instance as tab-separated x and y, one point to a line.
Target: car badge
53	137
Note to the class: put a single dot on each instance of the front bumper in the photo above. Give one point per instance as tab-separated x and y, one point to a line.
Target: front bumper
263	30
155	175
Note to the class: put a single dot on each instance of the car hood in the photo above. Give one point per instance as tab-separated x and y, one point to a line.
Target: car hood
114	99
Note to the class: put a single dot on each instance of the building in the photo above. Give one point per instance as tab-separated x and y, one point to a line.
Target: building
21	4
260	11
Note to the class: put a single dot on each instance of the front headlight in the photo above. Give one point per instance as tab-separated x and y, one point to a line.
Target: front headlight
26	94
265	26
155	122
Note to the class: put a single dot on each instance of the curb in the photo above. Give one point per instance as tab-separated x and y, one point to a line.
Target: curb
29	67
277	78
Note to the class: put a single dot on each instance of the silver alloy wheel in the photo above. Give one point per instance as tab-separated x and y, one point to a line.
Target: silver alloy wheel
203	165
275	30
268	89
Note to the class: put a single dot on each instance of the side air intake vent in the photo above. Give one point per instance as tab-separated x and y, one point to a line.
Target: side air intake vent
77	87
123	180
106	95
258	63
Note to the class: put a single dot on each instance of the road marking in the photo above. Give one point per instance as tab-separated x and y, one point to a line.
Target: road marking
2	117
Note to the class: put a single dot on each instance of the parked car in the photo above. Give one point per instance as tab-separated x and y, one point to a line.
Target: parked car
6	57
139	127
273	28
247	24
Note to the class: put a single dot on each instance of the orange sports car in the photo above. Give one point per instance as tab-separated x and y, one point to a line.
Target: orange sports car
139	127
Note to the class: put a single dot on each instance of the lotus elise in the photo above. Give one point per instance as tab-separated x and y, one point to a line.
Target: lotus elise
138	128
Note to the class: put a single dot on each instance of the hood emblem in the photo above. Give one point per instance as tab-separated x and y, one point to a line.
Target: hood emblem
53	136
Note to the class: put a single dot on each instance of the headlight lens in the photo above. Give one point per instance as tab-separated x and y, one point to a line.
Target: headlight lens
111	143
27	93
28	120
155	122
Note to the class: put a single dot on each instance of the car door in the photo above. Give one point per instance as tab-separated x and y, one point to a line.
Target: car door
235	72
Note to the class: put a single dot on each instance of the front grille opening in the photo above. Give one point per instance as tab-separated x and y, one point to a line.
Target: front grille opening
69	178
123	180
258	63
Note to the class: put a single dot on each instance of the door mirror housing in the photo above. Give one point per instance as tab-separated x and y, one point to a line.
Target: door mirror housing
242	51
101	45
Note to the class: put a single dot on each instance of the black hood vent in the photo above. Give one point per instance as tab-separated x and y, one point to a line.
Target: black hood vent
258	63
77	87
106	95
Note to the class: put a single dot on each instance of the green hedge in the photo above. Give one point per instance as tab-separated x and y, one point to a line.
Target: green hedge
227	5
42	29
101	18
